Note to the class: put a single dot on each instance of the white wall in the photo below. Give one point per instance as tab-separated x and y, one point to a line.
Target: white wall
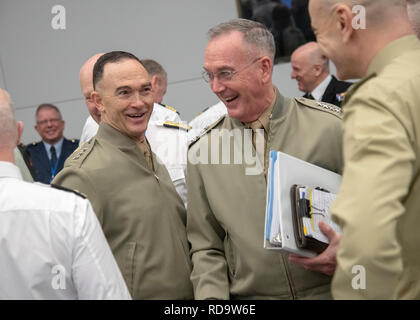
40	64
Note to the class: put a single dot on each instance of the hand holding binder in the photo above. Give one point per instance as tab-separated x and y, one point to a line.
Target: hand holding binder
325	262
284	232
309	207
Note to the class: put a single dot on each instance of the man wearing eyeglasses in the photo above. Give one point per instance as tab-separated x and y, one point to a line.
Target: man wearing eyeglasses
226	204
48	155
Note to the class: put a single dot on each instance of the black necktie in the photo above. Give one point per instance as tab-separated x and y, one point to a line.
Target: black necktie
53	156
309	96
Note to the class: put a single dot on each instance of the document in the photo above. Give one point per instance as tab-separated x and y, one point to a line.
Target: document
299	195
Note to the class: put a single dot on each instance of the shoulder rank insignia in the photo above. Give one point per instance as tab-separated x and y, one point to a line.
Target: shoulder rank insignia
55	186
176	125
168	107
330	107
206	130
80	151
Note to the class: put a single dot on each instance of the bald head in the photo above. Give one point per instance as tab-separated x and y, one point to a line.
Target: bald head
413	9
352	36
8	126
309	66
312	54
378	13
86	85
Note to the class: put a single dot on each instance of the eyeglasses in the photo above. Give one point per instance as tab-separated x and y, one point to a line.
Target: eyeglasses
224	75
44	122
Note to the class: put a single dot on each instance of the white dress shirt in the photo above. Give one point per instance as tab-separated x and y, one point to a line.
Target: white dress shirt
58	146
170	146
89	130
51	244
319	91
200	123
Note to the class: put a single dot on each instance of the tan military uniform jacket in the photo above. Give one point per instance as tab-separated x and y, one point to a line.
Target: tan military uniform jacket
226	208
378	205
141	214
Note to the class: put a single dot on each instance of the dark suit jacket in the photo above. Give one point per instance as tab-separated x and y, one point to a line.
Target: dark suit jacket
335	87
41	163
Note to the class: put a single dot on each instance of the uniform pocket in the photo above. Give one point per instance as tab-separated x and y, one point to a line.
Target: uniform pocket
129	269
230	255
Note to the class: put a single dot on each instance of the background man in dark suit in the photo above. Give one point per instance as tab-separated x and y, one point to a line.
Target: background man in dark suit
413	9
312	73
48	155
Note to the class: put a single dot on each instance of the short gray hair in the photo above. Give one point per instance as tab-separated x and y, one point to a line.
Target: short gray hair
47	106
154	68
254	33
8	126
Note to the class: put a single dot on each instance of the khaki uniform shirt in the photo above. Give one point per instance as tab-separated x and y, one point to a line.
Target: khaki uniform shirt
226	205
142	216
379	200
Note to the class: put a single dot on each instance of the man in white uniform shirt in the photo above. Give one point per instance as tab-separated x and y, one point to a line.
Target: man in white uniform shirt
52	244
165	132
204	119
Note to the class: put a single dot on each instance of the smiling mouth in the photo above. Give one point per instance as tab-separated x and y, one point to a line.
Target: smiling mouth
136	115
230	99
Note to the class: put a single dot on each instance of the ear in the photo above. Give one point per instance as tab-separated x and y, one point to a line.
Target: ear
266	68
20	131
344	16
154	81
318	70
97	100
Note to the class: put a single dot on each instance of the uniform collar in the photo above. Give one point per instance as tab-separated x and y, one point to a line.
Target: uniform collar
122	142
280	108
9	170
114	136
264	118
390	52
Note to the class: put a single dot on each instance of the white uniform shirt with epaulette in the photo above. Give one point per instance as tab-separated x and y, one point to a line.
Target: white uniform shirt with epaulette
206	118
167	135
52	244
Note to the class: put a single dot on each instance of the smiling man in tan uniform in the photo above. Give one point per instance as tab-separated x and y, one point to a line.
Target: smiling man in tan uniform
226	202
378	203
142	216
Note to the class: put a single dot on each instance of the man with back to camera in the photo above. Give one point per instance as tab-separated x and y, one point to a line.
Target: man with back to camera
311	70
377	205
48	155
226	202
142	216
52	244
